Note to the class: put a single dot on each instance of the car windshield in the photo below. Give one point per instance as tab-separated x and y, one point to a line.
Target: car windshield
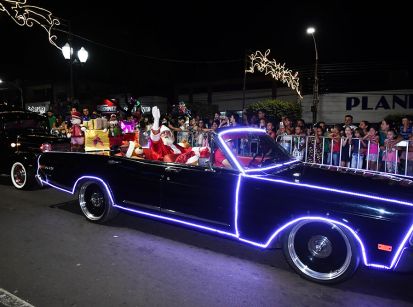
253	149
25	123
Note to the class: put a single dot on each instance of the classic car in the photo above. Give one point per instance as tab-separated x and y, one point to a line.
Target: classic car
23	136
326	221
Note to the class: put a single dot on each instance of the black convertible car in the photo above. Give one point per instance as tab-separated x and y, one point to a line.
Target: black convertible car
23	136
326	222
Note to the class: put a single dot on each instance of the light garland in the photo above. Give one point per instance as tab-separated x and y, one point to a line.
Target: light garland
276	70
28	15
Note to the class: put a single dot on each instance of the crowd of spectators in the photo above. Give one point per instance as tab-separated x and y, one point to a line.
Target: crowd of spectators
372	146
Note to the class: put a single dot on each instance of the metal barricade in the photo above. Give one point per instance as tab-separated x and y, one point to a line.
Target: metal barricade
362	154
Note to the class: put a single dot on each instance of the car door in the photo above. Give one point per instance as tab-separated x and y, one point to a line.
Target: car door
138	182
204	195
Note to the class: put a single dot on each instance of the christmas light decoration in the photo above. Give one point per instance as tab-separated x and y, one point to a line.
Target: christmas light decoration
276	70
28	15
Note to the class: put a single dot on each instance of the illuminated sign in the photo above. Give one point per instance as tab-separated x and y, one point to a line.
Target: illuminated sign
107	106
38	107
384	102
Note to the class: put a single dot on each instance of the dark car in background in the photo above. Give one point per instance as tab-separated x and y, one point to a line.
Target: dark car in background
23	136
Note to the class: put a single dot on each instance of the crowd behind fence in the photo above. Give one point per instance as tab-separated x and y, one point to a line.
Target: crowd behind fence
359	153
394	158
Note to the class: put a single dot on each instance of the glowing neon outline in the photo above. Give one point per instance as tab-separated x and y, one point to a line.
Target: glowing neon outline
393	263
229	152
310	186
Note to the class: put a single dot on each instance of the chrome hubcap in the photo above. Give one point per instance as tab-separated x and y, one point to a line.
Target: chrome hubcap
92	201
19	175
320	250
97	200
320	246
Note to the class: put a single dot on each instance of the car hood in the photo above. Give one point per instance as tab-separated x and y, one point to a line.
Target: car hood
354	181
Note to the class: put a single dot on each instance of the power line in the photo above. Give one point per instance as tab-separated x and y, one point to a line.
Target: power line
148	56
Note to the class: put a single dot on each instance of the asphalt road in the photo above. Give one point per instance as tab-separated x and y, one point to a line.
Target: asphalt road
51	256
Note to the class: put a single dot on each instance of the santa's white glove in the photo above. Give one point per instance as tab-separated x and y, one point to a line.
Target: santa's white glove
192	160
196	150
131	147
69	135
83	129
156	116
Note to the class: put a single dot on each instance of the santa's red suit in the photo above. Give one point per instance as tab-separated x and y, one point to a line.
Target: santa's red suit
167	153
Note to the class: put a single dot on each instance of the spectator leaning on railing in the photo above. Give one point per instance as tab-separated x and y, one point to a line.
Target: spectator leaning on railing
358	149
390	154
346	146
372	140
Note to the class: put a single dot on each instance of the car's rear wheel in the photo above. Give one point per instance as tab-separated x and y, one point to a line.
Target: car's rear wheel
321	251
21	176
95	202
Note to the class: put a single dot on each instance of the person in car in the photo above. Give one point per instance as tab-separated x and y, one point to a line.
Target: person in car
164	148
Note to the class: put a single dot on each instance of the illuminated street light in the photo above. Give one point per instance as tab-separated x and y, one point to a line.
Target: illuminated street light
82	56
311	31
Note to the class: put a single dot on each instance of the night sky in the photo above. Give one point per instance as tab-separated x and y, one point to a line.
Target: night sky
205	31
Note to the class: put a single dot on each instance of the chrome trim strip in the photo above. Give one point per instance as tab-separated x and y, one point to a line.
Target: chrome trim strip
194	217
150	207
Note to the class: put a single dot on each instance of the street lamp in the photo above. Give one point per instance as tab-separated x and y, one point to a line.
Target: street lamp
82	55
8	83
311	31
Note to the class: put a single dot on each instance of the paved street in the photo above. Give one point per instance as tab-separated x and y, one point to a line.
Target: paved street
51	256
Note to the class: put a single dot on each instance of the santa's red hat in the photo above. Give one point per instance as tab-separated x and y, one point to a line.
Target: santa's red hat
76	114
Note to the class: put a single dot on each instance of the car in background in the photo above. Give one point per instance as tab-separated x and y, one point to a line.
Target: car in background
23	136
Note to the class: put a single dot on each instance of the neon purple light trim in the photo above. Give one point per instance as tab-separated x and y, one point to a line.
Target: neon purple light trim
400	257
401	246
393	263
270	167
333	190
177	221
228	150
236	206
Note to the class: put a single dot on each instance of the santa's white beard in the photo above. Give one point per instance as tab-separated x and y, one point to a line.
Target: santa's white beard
167	141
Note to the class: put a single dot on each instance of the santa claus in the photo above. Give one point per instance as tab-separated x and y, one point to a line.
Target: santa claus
163	148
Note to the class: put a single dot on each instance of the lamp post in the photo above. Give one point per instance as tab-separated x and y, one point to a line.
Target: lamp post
82	56
7	83
311	31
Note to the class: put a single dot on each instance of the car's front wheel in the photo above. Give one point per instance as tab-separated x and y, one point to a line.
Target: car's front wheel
321	251
21	176
95	202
